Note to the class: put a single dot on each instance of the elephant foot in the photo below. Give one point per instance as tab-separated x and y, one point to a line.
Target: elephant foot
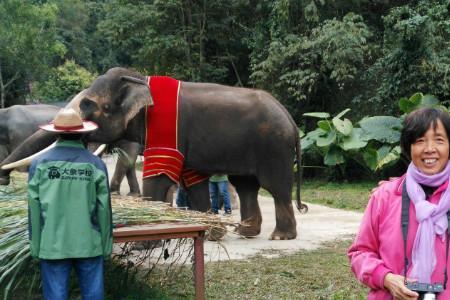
4	180
250	227
112	192
283	235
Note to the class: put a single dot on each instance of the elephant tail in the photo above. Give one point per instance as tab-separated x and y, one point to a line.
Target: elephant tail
302	208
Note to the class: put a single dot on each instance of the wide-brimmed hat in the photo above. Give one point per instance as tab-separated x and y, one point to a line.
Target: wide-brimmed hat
67	120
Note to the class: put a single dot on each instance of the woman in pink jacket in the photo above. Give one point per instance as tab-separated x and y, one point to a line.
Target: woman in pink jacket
378	253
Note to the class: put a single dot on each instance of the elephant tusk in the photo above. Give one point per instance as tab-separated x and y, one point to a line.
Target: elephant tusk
134	79
27	160
100	149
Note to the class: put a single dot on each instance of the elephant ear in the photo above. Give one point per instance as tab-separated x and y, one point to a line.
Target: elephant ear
138	96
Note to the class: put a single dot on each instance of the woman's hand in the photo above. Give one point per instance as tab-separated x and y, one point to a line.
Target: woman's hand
396	286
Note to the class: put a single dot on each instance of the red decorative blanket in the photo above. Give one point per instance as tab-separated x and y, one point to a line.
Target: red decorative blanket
161	155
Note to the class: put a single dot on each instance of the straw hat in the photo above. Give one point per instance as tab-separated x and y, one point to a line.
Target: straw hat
67	120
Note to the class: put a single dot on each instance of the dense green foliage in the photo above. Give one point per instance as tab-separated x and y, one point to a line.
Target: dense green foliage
66	80
312	55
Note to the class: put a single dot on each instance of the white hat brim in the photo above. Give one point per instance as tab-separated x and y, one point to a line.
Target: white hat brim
87	127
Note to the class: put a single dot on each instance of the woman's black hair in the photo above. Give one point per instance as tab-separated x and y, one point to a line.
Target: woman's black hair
418	122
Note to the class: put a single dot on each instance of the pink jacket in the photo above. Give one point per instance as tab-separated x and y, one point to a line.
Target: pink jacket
378	247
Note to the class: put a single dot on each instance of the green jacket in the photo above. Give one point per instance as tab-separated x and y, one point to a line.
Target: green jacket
69	204
218	178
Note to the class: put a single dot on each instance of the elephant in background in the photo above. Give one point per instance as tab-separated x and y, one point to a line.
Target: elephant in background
242	132
18	122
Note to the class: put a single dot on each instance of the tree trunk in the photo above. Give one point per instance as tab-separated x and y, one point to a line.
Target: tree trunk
186	21
2	88
201	34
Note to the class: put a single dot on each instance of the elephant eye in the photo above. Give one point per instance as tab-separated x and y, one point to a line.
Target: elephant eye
106	107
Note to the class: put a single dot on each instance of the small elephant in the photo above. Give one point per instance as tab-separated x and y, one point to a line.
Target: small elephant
245	133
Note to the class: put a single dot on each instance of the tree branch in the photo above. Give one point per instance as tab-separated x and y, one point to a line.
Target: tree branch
11	80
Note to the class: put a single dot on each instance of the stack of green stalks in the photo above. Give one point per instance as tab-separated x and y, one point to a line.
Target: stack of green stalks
16	264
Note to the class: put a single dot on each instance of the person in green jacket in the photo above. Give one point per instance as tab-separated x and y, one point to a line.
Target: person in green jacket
218	187
70	219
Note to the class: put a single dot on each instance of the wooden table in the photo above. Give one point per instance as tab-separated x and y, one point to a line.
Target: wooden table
162	231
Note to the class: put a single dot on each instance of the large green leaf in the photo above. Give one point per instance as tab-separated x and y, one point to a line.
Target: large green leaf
342	113
316	133
354	140
405	105
306	143
416	99
326	140
334	156
383	151
343	126
385	129
301	133
392	156
324	124
429	100
320	115
310	138
370	158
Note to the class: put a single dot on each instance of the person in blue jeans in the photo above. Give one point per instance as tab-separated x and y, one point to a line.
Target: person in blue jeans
218	187
182	198
70	217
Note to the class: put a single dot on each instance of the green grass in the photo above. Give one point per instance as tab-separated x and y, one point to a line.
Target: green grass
349	196
320	274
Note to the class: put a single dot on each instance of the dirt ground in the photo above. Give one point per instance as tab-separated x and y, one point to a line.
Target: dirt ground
319	225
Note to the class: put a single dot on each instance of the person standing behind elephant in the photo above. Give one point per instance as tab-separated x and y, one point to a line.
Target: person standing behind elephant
182	198
404	233
70	219
218	187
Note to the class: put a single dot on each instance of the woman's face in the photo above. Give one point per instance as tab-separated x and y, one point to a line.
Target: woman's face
429	153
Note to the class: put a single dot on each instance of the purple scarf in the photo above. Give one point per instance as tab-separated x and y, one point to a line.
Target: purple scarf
432	219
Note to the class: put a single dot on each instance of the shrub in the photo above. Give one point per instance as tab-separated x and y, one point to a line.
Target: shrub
63	83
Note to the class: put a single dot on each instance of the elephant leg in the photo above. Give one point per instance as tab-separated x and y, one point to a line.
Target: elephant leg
156	188
280	186
126	166
133	183
247	188
198	196
4	174
132	150
116	179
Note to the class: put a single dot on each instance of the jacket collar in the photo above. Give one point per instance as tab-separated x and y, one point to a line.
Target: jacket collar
70	143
